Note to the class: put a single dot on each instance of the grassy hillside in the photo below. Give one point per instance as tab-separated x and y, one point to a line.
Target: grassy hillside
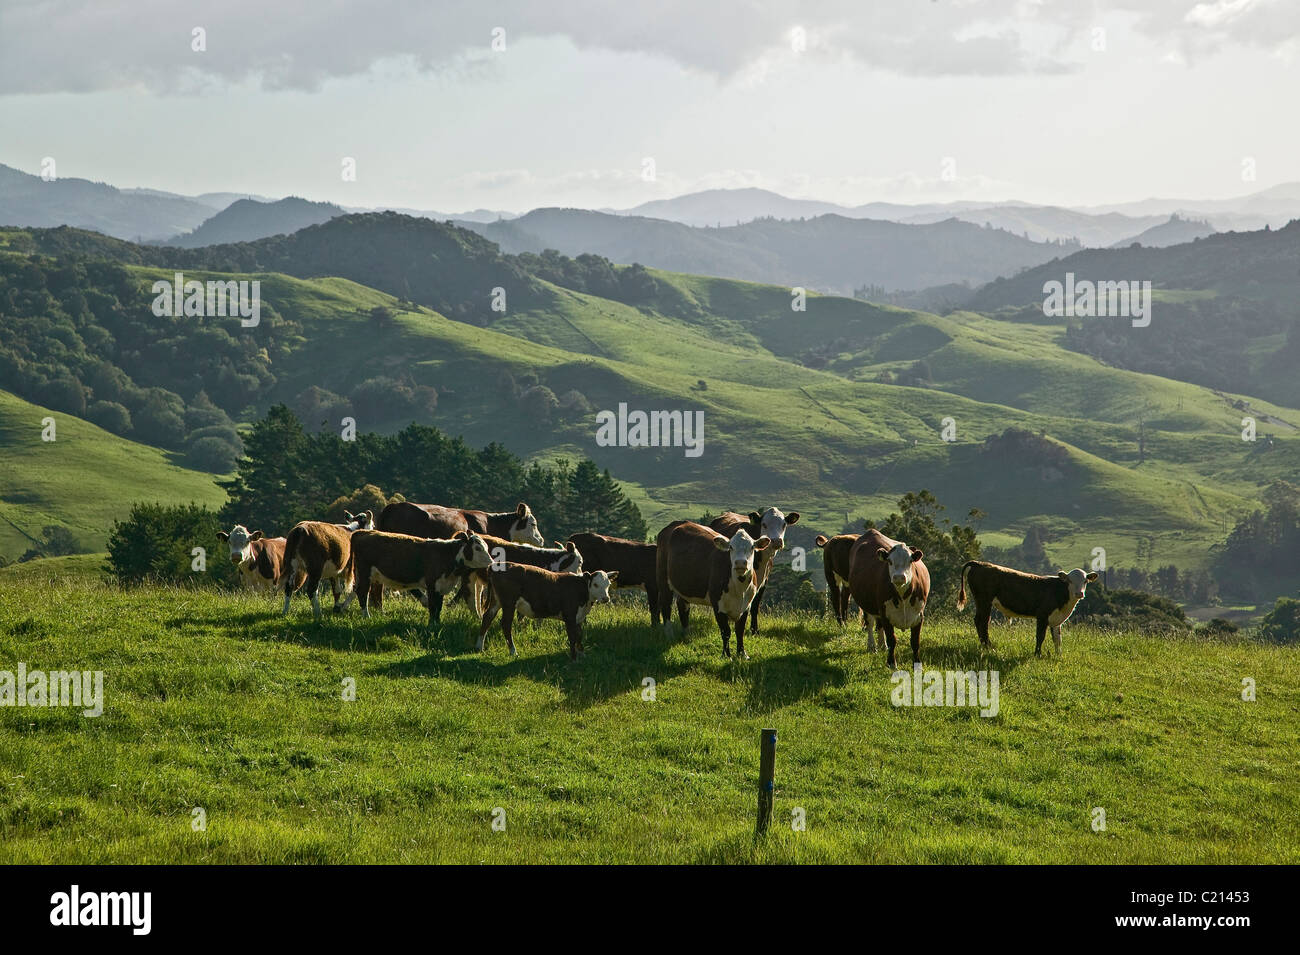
214	701
84	480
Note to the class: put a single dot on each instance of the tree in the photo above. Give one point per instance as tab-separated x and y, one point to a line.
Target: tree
1282	623
946	545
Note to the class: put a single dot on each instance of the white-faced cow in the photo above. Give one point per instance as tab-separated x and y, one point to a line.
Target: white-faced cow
1049	600
891	584
562	559
770	523
836	552
322	551
260	559
633	560
539	594
697	565
403	562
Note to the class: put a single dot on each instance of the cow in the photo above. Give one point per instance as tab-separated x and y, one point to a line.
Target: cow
562	559
835	562
434	520
771	524
1049	600
634	561
891	584
322	551
404	562
697	565
539	594
260	559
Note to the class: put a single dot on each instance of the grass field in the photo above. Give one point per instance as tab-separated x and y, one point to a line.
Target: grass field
214	701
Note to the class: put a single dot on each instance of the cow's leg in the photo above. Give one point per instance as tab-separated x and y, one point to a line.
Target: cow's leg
724	625
1056	639
684	613
313	588
652	594
420	596
347	585
889	639
289	588
740	639
435	606
982	614
484	623
574	630
1039	636
870	624
916	644
376	595
753	613
364	592
488	616
507	627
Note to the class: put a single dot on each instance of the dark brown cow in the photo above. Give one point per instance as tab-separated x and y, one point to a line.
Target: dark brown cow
260	559
403	562
1049	600
891	584
771	524
835	563
634	561
697	565
562	559
539	594
321	551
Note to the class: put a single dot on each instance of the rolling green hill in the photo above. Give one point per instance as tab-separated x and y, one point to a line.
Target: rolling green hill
84	480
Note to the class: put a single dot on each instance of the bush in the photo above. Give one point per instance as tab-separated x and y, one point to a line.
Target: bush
212	454
110	416
1130	610
59	541
155	545
1282	623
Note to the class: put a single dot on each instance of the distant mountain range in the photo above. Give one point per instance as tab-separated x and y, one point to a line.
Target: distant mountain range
247	219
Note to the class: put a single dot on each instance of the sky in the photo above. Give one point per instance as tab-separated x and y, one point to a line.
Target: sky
453	105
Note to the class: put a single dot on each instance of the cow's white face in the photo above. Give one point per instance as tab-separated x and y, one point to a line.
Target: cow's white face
524	530
240	542
741	549
475	552
598	584
365	521
773	522
1078	581
570	563
899	560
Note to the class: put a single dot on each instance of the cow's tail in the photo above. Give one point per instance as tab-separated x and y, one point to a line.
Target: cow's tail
961	591
291	545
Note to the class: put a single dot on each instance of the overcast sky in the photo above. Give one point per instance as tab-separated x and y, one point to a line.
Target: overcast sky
1062	101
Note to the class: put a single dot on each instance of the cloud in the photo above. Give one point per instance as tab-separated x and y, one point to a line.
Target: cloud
85	45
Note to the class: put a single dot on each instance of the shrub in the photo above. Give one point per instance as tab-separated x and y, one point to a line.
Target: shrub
110	416
155	545
1282	623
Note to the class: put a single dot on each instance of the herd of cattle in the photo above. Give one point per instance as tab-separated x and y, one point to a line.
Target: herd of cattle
500	564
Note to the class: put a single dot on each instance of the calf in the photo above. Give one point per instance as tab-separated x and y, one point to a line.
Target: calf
540	594
697	565
1049	600
771	524
260	559
403	562
633	560
320	551
891	584
562	559
835	562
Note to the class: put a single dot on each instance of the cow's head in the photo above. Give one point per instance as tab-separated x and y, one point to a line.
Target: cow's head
570	562
773	522
524	529
474	551
240	541
899	560
1078	581
741	548
598	584
365	521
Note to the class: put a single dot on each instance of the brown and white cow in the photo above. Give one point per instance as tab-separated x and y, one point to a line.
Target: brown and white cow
770	523
1049	600
633	560
562	559
260	559
891	584
835	563
404	562
539	594
322	551
697	565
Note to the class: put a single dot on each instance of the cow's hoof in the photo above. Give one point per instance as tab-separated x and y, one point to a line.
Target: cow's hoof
742	656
